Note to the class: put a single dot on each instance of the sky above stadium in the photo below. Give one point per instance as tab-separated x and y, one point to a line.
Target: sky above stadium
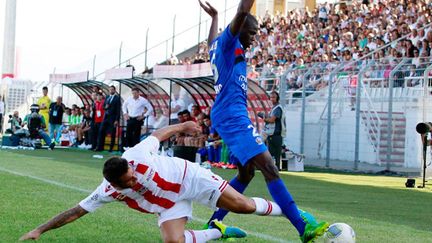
65	34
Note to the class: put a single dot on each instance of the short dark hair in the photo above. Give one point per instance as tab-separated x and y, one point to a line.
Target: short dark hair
186	111
45	88
206	117
112	86
135	89
114	168
180	113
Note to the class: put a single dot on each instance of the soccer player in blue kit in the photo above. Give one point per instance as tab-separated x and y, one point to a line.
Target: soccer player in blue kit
230	118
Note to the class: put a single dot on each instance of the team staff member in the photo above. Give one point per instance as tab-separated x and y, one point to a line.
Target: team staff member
110	120
135	110
98	115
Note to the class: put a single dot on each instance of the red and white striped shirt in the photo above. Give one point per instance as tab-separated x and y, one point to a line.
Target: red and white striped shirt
159	183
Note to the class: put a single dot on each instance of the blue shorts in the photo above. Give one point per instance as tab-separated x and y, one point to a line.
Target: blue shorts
242	140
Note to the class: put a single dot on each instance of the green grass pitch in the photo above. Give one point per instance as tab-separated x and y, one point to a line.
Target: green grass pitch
36	185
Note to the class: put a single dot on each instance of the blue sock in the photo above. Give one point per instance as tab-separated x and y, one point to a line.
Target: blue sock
238	186
284	199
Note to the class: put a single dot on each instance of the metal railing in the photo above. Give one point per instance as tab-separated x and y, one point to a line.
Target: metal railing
374	90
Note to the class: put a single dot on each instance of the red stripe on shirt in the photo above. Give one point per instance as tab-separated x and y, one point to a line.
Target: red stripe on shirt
130	202
137	187
160	201
141	168
166	185
238	51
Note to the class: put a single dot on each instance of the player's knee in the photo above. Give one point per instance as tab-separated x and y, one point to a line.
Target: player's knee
244	205
270	171
245	178
246	175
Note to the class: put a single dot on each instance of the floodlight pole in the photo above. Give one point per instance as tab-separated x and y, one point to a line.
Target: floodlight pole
120	53
173	37
146	44
94	65
199	27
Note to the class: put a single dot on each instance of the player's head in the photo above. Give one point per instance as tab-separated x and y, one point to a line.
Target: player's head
45	90
248	31
117	171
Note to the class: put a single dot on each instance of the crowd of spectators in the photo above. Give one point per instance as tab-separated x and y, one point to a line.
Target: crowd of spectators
334	33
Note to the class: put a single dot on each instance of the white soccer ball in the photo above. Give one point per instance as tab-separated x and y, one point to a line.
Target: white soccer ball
339	233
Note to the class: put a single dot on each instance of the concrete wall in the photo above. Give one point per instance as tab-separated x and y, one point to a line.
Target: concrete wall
342	136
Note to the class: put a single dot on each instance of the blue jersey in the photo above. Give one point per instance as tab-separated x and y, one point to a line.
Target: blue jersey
229	69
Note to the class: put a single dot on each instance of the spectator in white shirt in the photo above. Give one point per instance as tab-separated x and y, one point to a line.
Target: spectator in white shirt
135	110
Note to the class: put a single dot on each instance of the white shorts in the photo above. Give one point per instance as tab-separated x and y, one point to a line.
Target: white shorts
200	185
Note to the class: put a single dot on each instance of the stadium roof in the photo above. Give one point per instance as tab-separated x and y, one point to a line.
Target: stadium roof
200	89
85	89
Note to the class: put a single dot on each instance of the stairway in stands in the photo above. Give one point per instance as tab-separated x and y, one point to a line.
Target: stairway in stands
379	138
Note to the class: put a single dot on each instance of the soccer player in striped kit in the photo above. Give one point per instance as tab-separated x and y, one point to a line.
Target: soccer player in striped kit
166	186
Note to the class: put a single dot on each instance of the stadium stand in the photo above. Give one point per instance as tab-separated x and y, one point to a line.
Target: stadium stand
334	33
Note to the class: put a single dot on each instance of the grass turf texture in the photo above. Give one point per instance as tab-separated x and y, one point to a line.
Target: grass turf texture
380	209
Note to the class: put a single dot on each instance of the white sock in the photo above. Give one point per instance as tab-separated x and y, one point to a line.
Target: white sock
200	236
264	207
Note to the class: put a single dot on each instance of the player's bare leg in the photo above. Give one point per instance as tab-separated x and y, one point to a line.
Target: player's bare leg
245	175
173	230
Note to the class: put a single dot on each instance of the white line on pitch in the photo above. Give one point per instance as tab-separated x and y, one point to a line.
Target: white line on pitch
56	183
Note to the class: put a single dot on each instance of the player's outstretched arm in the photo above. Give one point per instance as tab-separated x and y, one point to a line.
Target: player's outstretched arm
214	25
243	10
56	222
189	127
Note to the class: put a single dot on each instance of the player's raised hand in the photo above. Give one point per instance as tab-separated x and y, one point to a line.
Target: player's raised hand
191	127
32	235
208	8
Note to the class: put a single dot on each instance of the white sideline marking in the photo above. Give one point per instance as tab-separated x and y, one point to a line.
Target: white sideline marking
56	183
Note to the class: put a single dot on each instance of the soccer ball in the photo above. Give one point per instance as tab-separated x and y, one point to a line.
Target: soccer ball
339	233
